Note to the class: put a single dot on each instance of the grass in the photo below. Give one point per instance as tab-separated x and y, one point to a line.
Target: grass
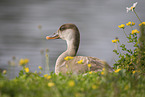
119	84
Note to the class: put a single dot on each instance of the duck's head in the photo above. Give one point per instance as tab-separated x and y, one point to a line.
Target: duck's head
66	32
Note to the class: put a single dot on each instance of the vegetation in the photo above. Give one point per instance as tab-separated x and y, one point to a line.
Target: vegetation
127	79
131	59
116	84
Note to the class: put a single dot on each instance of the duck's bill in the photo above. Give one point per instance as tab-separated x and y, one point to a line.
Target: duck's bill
54	36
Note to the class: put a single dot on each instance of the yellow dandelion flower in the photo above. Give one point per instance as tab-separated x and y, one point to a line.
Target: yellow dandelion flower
133	24
4	71
80	62
133	72
68	58
45	75
71	83
89	65
121	26
90	72
134	31
94	87
51	84
26	61
26	69
102	73
21	62
143	23
115	40
128	24
131	8
49	77
117	70
40	67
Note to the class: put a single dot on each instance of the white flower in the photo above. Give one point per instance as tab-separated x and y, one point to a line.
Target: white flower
131	8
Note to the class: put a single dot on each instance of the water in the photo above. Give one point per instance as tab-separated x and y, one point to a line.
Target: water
97	21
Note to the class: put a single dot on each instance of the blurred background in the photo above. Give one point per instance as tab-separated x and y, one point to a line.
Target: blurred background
25	23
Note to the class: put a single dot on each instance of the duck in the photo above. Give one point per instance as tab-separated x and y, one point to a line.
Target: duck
68	62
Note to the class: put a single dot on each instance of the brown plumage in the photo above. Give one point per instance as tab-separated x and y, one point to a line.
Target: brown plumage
70	33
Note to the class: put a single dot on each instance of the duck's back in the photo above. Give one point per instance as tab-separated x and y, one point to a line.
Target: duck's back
81	64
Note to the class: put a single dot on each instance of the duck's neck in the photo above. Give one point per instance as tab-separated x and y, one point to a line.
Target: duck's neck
72	48
71	51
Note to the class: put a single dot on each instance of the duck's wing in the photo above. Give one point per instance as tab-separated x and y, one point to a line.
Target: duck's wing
98	65
79	64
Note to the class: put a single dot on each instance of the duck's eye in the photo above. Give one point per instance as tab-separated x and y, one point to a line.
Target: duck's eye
62	28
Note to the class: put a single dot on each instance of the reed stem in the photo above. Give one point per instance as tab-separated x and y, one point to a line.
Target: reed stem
137	16
125	33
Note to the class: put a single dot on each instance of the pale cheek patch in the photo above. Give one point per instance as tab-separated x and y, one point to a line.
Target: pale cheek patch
69	34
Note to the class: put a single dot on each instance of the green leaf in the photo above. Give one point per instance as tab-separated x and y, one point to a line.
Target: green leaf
115	52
